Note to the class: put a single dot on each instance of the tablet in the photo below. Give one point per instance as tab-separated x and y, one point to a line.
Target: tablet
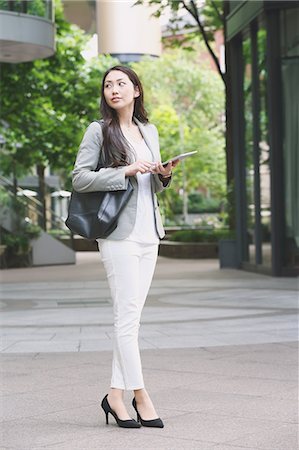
179	157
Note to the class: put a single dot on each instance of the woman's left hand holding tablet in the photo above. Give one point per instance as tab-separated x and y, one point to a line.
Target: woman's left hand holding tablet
165	171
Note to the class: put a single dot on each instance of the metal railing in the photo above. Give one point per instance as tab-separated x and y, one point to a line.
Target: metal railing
34	208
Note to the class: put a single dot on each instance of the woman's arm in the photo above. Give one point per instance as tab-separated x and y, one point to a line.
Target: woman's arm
85	179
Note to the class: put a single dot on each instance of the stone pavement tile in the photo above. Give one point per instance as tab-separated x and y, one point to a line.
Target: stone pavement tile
67	336
185	329
291	334
30	433
234	405
183	341
93	415
38	380
5	344
146	344
263	327
156	379
256	338
276	353
56	398
214	360
149	331
283	437
248	386
179	384
128	440
233	447
214	428
95	345
25	331
273	353
76	367
58	317
42	346
39	361
291	344
27	337
90	433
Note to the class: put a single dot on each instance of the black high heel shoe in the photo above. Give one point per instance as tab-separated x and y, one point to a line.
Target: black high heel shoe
130	423
155	423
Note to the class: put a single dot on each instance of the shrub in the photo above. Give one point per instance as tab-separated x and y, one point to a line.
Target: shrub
200	235
197	203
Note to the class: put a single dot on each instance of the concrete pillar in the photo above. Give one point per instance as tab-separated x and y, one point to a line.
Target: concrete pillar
126	31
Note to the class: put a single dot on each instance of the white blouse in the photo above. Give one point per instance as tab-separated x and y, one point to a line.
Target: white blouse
144	230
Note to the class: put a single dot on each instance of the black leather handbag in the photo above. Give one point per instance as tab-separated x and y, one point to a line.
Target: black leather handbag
94	215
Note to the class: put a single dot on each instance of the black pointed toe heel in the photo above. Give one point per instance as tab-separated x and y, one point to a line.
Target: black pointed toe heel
155	423
130	423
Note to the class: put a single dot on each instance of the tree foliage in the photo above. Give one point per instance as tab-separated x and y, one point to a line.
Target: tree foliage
186	102
46	104
205	18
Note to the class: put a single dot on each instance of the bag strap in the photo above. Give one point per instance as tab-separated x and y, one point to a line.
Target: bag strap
101	163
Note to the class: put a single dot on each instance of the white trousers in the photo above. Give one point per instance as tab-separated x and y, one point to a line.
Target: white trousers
130	267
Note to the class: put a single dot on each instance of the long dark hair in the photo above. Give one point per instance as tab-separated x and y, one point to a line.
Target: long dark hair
116	147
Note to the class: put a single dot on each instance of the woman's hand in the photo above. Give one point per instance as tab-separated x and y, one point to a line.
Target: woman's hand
165	171
139	166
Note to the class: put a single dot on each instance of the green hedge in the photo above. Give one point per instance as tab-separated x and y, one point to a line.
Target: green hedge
197	204
200	235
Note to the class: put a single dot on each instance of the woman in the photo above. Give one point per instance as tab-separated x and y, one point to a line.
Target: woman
130	150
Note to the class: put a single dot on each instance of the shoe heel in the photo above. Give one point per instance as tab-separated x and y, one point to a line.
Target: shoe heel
105	407
130	423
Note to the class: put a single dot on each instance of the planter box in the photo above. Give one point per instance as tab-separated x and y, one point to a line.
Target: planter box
189	250
80	244
228	254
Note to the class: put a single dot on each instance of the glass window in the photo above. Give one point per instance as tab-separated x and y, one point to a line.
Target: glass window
265	187
257	149
235	4
41	8
290	77
250	207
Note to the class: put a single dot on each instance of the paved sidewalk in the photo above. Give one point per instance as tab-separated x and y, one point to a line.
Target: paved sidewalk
219	351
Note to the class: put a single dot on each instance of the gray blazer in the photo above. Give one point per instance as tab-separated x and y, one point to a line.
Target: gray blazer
85	179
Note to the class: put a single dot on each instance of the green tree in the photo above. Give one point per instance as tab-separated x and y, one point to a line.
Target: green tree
206	19
46	104
187	119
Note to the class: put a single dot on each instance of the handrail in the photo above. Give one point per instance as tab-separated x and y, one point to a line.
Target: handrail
33	204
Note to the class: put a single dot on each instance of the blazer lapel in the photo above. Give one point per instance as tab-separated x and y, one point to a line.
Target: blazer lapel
145	136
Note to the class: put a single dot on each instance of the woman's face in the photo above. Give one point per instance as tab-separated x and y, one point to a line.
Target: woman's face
119	91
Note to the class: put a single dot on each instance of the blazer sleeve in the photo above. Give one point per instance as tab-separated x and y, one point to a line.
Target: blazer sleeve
85	178
159	182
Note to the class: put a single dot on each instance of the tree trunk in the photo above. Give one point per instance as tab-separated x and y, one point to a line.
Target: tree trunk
15	180
184	175
42	195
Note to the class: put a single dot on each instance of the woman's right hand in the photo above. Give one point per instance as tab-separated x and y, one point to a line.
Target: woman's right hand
139	166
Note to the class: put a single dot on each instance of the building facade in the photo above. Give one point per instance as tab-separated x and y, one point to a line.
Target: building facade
27	30
124	30
263	42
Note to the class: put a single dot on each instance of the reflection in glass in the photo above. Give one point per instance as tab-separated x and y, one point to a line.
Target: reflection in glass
41	8
290	77
264	151
250	209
